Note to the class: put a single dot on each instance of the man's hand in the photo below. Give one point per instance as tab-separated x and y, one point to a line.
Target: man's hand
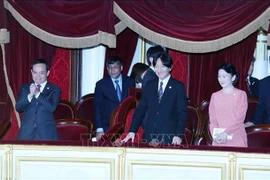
176	140
99	135
130	135
32	90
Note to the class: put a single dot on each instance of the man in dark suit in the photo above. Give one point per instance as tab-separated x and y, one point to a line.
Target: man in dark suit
38	101
165	101
262	112
109	93
150	73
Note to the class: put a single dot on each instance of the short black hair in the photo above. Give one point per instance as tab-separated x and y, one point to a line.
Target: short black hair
229	68
41	61
153	51
165	59
114	59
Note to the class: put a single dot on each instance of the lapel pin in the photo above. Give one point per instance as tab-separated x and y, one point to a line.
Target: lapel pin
48	88
170	87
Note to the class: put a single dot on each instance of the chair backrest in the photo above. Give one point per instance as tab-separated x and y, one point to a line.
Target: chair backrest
204	106
259	136
85	109
120	114
194	121
135	92
5	116
206	137
74	129
252	103
65	110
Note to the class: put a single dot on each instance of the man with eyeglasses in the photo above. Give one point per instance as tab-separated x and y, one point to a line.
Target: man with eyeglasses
109	93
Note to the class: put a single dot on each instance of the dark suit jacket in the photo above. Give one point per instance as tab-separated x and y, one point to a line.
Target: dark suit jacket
149	76
262	111
106	100
254	87
38	121
163	120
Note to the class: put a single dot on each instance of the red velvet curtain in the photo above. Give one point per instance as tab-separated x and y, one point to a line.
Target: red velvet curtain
3	90
80	23
22	50
126	45
184	23
203	68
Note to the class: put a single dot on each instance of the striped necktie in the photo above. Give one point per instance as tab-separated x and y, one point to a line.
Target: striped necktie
160	92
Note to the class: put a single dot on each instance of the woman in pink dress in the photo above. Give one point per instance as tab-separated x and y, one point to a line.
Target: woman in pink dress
227	110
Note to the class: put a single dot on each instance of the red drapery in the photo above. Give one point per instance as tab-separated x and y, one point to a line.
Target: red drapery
193	26
180	67
60	72
69	24
203	68
126	46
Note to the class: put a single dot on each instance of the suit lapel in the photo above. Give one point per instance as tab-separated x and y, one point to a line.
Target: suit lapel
113	94
47	89
124	88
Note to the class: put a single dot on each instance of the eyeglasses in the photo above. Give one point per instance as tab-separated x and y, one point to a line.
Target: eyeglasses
113	67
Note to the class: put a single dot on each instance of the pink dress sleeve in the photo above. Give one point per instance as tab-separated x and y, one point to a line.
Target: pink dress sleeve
240	114
212	115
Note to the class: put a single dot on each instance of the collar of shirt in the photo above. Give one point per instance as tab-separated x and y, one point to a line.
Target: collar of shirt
152	68
42	86
119	82
165	82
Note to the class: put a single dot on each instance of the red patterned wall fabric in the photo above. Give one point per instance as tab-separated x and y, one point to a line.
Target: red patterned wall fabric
60	72
180	67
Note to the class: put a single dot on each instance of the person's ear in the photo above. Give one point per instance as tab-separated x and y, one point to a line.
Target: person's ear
121	68
171	68
233	78
48	73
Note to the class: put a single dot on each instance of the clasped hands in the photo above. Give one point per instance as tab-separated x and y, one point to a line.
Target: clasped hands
131	135
221	138
33	90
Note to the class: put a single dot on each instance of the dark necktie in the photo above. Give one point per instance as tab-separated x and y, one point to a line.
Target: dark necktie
118	90
38	88
160	92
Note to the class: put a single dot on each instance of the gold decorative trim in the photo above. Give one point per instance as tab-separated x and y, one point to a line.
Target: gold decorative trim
119	27
19	159
65	148
243	168
121	163
192	46
61	41
1	162
8	154
9	89
221	166
176	152
232	164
